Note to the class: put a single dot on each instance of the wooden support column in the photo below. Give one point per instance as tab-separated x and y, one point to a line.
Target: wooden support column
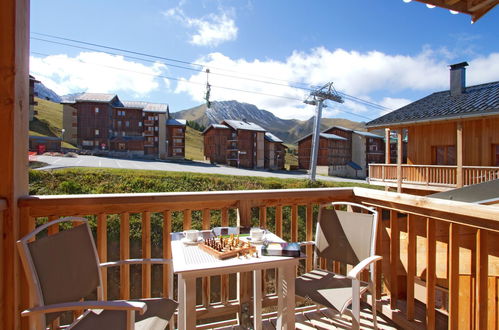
387	146
459	155
14	114
482	272
400	136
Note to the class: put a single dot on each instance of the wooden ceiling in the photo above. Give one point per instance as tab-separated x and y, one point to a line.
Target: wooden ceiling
475	8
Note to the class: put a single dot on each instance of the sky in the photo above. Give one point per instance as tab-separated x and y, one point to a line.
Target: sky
379	54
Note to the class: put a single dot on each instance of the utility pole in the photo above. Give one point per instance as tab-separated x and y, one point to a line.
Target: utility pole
317	97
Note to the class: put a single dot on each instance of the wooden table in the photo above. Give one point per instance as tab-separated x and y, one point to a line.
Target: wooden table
190	262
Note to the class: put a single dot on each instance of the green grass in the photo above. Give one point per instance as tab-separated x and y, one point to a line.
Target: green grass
48	121
98	181
194	144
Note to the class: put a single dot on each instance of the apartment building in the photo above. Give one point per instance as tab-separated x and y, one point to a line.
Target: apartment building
131	128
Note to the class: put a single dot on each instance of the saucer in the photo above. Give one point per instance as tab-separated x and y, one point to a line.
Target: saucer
189	242
256	241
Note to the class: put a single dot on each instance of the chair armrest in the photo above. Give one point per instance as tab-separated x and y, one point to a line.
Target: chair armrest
136	261
116	305
354	273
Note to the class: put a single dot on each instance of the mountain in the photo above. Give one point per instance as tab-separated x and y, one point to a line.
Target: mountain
46	93
71	97
289	130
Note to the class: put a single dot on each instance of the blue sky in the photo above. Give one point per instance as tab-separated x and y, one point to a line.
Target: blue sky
387	52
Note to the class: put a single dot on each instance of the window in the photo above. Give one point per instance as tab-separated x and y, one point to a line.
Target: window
443	155
122	133
87	143
127	124
119	123
156	128
96	109
177	150
156	139
121	146
373	147
96	132
140	124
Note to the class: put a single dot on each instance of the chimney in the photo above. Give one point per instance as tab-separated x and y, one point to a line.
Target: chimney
458	78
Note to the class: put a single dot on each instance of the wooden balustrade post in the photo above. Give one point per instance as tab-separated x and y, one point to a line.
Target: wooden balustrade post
244	281
379	251
125	254
146	254
453	258
394	257
309	232
431	256
224	279
206	294
482	277
278	220
411	263
263	217
187	219
294	223
102	249
167	254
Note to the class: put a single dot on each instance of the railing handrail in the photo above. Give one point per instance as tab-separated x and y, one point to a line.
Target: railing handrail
478	216
438	166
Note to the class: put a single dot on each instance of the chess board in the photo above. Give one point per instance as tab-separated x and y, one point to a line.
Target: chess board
228	247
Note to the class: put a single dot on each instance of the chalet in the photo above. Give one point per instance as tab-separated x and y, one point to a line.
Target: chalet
452	137
175	137
70	122
344	151
243	144
275	152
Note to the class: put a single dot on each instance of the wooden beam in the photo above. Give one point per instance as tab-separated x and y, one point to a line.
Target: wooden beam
387	146
399	159
482	271
14	114
453	276
459	155
431	276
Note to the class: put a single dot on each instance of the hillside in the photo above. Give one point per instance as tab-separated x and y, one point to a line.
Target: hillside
193	144
48	120
289	130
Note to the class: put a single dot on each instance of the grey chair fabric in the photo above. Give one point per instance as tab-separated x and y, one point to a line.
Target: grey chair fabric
344	236
66	269
66	266
159	311
327	288
347	237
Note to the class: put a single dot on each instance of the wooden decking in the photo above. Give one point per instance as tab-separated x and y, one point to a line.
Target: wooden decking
327	319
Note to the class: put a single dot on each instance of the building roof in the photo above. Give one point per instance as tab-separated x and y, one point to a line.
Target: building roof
176	122
244	125
219	126
326	136
272	138
95	97
475	101
369	134
156	107
482	193
134	104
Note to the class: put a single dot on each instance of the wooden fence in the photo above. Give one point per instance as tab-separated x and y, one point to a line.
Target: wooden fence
411	235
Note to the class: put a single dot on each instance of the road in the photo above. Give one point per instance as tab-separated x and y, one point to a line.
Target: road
188	166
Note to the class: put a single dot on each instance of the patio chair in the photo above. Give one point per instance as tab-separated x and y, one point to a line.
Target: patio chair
347	236
62	269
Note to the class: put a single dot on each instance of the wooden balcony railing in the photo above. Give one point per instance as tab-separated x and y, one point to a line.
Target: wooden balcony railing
436	176
447	248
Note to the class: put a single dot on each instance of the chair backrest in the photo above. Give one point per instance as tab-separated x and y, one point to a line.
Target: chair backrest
347	236
61	267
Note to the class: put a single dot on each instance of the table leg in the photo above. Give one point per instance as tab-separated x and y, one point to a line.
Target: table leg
286	297
187	303
257	299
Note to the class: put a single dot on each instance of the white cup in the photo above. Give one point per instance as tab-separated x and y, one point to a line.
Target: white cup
191	235
256	234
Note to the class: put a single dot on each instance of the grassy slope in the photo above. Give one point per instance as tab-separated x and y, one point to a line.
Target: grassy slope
98	181
48	121
193	144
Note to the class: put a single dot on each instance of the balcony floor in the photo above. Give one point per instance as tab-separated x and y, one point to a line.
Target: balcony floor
327	319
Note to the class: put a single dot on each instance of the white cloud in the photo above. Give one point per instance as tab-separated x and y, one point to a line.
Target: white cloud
96	72
210	30
358	74
392	103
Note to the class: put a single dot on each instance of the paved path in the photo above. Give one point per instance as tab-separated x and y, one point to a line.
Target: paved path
188	166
